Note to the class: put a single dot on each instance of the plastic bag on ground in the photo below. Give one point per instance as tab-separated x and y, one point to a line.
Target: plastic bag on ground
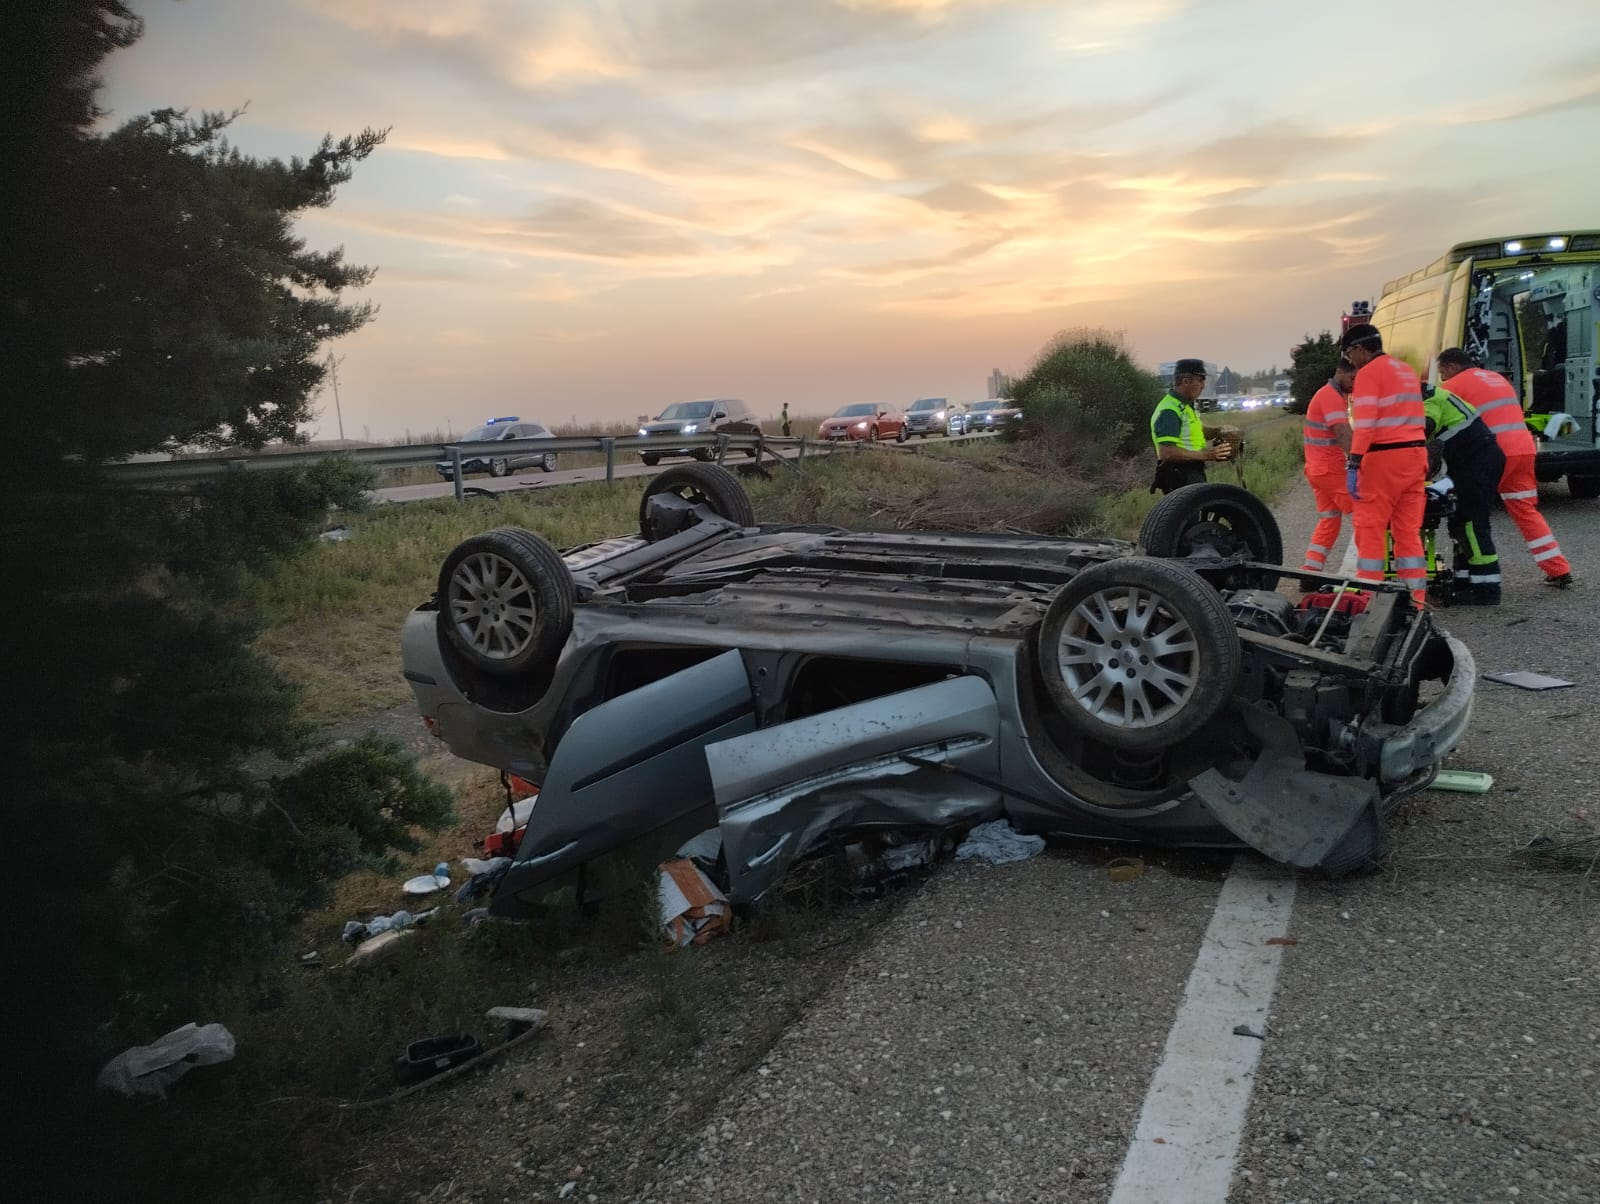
997	843
151	1069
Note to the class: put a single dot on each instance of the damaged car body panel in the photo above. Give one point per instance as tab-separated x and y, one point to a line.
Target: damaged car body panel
791	684
882	764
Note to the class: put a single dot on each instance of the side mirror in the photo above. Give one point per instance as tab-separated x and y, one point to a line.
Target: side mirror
718	417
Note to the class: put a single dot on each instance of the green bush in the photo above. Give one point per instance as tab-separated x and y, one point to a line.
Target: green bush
1085	401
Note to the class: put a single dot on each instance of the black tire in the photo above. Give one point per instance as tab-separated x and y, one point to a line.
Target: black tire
1099	621
1583	487
547	462
872	434
702	454
505	600
650	459
708	485
1214	516
499	468
901	436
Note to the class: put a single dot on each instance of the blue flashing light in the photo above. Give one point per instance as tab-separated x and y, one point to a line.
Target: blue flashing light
493	421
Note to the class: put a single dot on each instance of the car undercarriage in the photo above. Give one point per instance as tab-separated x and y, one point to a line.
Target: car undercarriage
793	686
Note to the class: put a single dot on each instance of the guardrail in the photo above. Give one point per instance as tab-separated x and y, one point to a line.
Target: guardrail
204	468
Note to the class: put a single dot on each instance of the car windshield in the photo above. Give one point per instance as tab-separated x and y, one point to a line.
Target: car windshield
484	434
684	410
865	410
989	405
927	403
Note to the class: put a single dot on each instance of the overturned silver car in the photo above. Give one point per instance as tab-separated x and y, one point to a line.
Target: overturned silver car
796	686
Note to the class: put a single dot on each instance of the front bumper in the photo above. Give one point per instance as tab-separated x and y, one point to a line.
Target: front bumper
1405	753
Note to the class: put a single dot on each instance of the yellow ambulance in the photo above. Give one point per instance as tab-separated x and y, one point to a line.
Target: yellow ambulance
1528	307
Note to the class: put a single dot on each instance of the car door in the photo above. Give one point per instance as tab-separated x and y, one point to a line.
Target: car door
628	768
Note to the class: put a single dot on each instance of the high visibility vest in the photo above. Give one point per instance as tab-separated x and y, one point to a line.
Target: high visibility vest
1448	414
1496	402
1385	405
1191	433
1323	415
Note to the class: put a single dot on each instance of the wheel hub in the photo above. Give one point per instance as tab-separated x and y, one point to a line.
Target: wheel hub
1128	658
492	606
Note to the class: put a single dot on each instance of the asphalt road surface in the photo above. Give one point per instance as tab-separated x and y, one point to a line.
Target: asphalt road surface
1041	1032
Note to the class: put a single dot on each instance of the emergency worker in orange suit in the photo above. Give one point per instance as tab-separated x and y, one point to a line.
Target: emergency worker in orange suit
1496	402
1327	441
1388	461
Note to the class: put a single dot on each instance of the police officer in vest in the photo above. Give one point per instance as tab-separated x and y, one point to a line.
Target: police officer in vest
1183	445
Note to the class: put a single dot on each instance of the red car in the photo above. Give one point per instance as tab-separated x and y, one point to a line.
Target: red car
864	420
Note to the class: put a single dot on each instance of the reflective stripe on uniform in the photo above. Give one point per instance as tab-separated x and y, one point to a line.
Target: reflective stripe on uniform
1411	562
1497	427
1369	566
1540	542
1518	495
1318	549
1484	578
1549	554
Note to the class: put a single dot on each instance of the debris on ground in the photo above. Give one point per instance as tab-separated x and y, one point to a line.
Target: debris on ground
1528	681
515	815
1463	781
433	1055
998	843
356	931
379	947
692	909
482	876
336	535
151	1069
1125	869
426	884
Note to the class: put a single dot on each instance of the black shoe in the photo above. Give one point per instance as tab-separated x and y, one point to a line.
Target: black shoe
1480	595
1561	582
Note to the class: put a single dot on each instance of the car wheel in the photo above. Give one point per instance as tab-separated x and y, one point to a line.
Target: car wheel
872	434
650	459
900	435
1213	518
499	468
708	485
505	598
1584	487
547	462
1138	653
703	454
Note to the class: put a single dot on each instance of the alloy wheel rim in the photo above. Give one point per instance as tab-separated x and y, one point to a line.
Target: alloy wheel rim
492	606
1128	658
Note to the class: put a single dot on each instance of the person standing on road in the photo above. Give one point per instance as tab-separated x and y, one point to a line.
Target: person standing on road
1475	463
1184	446
1327	441
1496	402
784	418
1388	461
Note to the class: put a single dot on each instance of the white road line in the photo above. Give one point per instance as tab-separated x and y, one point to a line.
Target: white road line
1188	1135
1347	566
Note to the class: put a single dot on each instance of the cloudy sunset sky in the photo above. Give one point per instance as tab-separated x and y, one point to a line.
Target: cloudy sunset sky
587	210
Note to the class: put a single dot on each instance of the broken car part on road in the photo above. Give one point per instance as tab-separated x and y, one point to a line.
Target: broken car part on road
794	684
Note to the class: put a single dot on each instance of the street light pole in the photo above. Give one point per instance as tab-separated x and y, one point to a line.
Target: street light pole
333	373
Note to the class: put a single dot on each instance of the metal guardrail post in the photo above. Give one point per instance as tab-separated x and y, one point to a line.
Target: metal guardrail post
455	473
611	460
761	446
722	450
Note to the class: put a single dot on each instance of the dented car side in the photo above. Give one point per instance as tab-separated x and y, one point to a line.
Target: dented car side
795	685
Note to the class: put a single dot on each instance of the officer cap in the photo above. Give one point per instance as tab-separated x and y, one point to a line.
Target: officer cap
1190	368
